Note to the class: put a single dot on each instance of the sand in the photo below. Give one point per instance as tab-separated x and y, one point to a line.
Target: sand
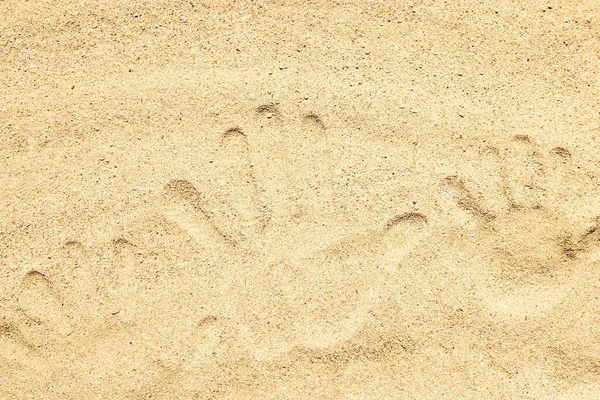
299	200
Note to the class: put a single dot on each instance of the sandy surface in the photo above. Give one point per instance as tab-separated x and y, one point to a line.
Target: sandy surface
299	200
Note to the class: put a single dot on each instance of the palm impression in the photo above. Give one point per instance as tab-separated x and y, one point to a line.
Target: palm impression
536	209
329	289
531	203
64	321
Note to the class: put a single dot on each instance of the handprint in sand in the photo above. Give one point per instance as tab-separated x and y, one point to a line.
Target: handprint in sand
534	211
293	293
531	203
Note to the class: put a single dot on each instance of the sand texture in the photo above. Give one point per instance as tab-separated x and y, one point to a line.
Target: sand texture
299	199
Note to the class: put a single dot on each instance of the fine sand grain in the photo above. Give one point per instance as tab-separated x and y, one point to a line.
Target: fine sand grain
299	200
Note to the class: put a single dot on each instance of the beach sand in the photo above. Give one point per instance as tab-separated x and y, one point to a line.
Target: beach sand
299	200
